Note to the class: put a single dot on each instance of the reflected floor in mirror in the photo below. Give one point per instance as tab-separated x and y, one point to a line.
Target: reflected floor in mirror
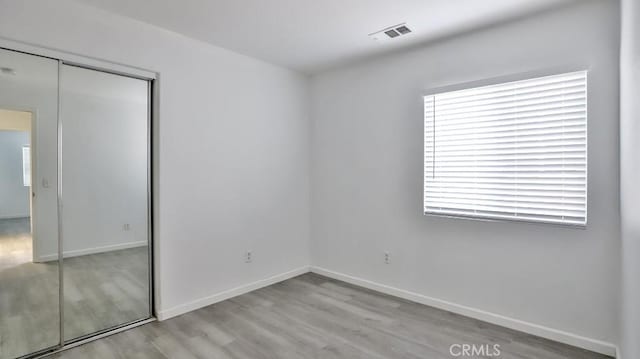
105	290
29	311
101	290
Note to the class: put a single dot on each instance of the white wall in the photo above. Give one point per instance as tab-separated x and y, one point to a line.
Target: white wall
104	161
14	196
629	174
232	148
367	160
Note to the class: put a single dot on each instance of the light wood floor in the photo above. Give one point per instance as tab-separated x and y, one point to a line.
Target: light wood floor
29	317
104	290
100	291
311	316
15	242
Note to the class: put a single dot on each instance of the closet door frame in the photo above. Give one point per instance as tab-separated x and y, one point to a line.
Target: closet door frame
151	78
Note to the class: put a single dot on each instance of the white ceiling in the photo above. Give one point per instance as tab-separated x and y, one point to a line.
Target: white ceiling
312	35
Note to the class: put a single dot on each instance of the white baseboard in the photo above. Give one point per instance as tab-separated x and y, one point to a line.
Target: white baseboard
511	323
228	294
94	250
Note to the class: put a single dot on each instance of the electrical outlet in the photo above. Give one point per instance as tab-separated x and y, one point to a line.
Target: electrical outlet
387	257
248	257
126	227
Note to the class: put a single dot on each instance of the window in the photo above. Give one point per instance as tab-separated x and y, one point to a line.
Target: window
512	151
26	166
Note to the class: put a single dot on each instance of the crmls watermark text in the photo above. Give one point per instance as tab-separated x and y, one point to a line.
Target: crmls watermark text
475	350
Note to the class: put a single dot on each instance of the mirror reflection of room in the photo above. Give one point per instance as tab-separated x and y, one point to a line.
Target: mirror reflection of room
16	246
29	290
74	208
104	197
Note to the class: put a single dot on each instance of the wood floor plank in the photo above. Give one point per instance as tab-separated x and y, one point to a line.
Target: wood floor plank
311	316
101	290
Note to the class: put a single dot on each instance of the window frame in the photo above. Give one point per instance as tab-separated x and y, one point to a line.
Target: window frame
26	176
560	70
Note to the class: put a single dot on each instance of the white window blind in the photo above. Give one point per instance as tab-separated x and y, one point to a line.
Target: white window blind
515	151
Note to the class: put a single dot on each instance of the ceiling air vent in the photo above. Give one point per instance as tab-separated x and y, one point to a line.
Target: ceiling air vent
391	32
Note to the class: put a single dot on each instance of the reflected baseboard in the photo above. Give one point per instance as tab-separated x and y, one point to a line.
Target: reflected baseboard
15	216
87	251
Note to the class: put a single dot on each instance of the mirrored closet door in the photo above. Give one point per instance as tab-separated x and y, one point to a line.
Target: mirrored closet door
74	203
104	213
29	277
